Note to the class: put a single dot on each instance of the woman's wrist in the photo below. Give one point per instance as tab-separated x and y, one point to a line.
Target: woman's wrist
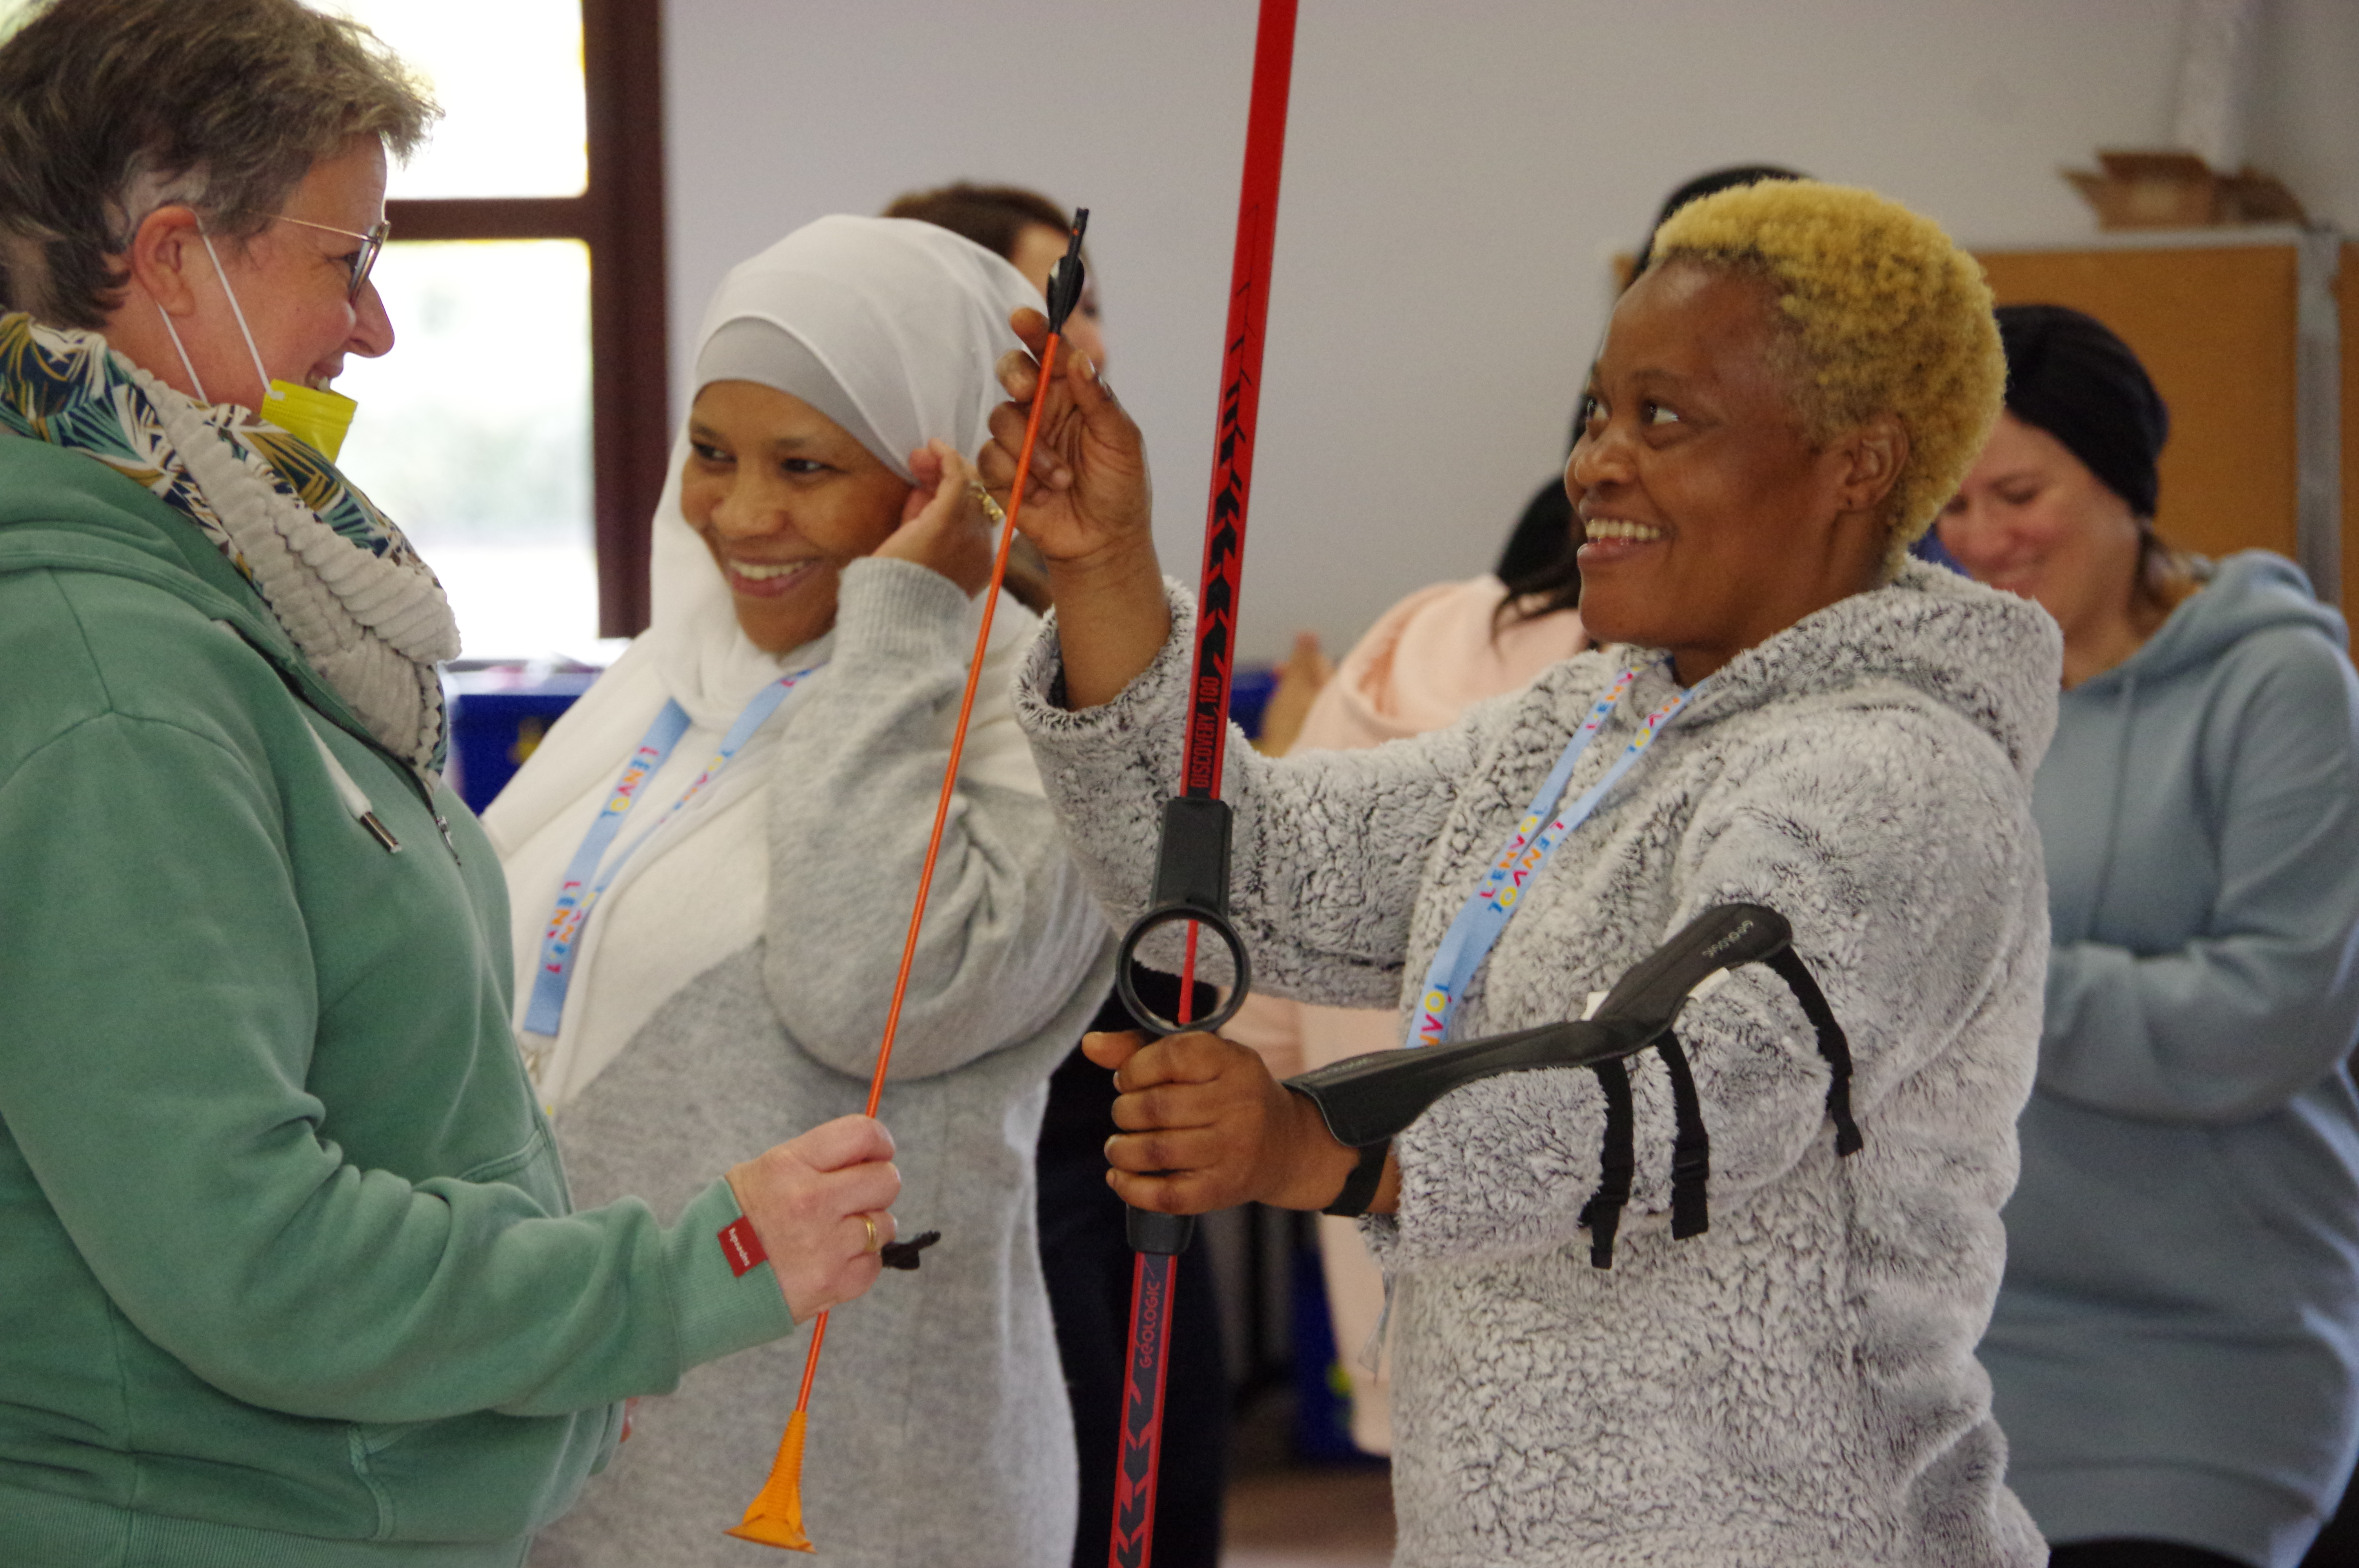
1112	619
902	609
1116	568
1314	1168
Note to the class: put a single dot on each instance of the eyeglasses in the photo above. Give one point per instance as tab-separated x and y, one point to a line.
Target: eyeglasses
362	260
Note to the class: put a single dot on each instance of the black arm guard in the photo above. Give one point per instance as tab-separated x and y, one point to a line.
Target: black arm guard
1367	1100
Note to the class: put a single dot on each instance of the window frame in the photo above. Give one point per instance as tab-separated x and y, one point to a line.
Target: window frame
620	217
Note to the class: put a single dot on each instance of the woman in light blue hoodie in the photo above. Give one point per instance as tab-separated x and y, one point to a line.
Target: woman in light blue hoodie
2175	1352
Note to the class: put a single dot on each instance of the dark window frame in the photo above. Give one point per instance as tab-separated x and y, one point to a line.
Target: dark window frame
620	216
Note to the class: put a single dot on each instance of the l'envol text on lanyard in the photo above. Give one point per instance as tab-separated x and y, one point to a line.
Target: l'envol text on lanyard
1475	929
586	879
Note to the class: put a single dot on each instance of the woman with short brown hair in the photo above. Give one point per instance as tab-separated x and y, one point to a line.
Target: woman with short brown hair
289	1273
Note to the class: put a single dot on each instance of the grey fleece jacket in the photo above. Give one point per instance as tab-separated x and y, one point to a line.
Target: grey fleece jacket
939	1431
1798	1385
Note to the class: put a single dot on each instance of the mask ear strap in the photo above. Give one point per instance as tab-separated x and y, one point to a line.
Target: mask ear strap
186	363
234	308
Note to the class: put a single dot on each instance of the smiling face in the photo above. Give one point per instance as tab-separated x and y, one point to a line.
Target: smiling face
2031	518
305	319
784	498
1713	521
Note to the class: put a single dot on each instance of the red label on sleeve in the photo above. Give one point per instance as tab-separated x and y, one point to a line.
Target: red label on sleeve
740	1246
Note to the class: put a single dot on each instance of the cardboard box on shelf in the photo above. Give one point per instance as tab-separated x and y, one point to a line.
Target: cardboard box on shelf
2168	189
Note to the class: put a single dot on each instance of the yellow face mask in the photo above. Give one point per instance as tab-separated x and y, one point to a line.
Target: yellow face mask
313	416
317	418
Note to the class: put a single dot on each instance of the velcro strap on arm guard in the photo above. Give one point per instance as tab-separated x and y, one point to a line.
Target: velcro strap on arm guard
1690	1147
1617	1163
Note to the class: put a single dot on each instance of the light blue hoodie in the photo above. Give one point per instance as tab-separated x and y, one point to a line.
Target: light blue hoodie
2176	1348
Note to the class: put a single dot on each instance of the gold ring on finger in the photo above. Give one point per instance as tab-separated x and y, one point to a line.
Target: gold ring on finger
874	1243
990	508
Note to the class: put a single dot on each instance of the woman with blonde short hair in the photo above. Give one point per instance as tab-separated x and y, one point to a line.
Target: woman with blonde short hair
1781	403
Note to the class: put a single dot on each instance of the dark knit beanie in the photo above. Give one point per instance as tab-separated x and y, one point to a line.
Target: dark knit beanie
2068	373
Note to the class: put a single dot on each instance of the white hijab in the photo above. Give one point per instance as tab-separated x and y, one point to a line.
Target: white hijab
892	328
905	321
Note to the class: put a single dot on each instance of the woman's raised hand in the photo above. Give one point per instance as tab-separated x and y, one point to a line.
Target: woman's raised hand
821	1205
1089	510
942	526
1089	495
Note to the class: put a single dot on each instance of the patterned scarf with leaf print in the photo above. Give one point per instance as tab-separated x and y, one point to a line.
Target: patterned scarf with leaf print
339	576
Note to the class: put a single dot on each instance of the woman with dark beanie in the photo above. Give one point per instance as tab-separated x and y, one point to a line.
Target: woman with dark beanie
2175	1352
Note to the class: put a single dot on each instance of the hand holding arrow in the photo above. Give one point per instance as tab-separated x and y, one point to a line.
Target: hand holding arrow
1090	513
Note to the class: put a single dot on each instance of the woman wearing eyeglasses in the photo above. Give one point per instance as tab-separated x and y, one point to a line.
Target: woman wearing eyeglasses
287	1269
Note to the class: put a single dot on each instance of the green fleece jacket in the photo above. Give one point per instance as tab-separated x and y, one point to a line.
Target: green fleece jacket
288	1274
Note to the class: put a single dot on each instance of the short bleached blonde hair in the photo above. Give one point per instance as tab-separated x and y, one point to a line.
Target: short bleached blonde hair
1884	314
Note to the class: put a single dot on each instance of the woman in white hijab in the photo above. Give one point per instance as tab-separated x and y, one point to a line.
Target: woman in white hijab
711	861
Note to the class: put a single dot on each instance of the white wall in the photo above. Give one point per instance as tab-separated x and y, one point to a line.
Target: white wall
1456	176
2305	126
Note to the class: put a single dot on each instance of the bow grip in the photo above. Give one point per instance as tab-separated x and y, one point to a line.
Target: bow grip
1192	885
1162	1235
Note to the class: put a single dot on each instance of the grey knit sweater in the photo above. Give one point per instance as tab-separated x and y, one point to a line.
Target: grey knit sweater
939	1432
1798	1385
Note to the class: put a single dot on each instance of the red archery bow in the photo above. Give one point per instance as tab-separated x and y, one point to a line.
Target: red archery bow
1192	861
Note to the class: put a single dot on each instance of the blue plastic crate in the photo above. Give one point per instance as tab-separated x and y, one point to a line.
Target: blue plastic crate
492	732
1249	689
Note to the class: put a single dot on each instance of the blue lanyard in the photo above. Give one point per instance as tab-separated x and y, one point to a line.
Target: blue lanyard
1475	930
561	941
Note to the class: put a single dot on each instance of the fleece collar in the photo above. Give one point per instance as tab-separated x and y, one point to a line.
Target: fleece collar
1992	657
